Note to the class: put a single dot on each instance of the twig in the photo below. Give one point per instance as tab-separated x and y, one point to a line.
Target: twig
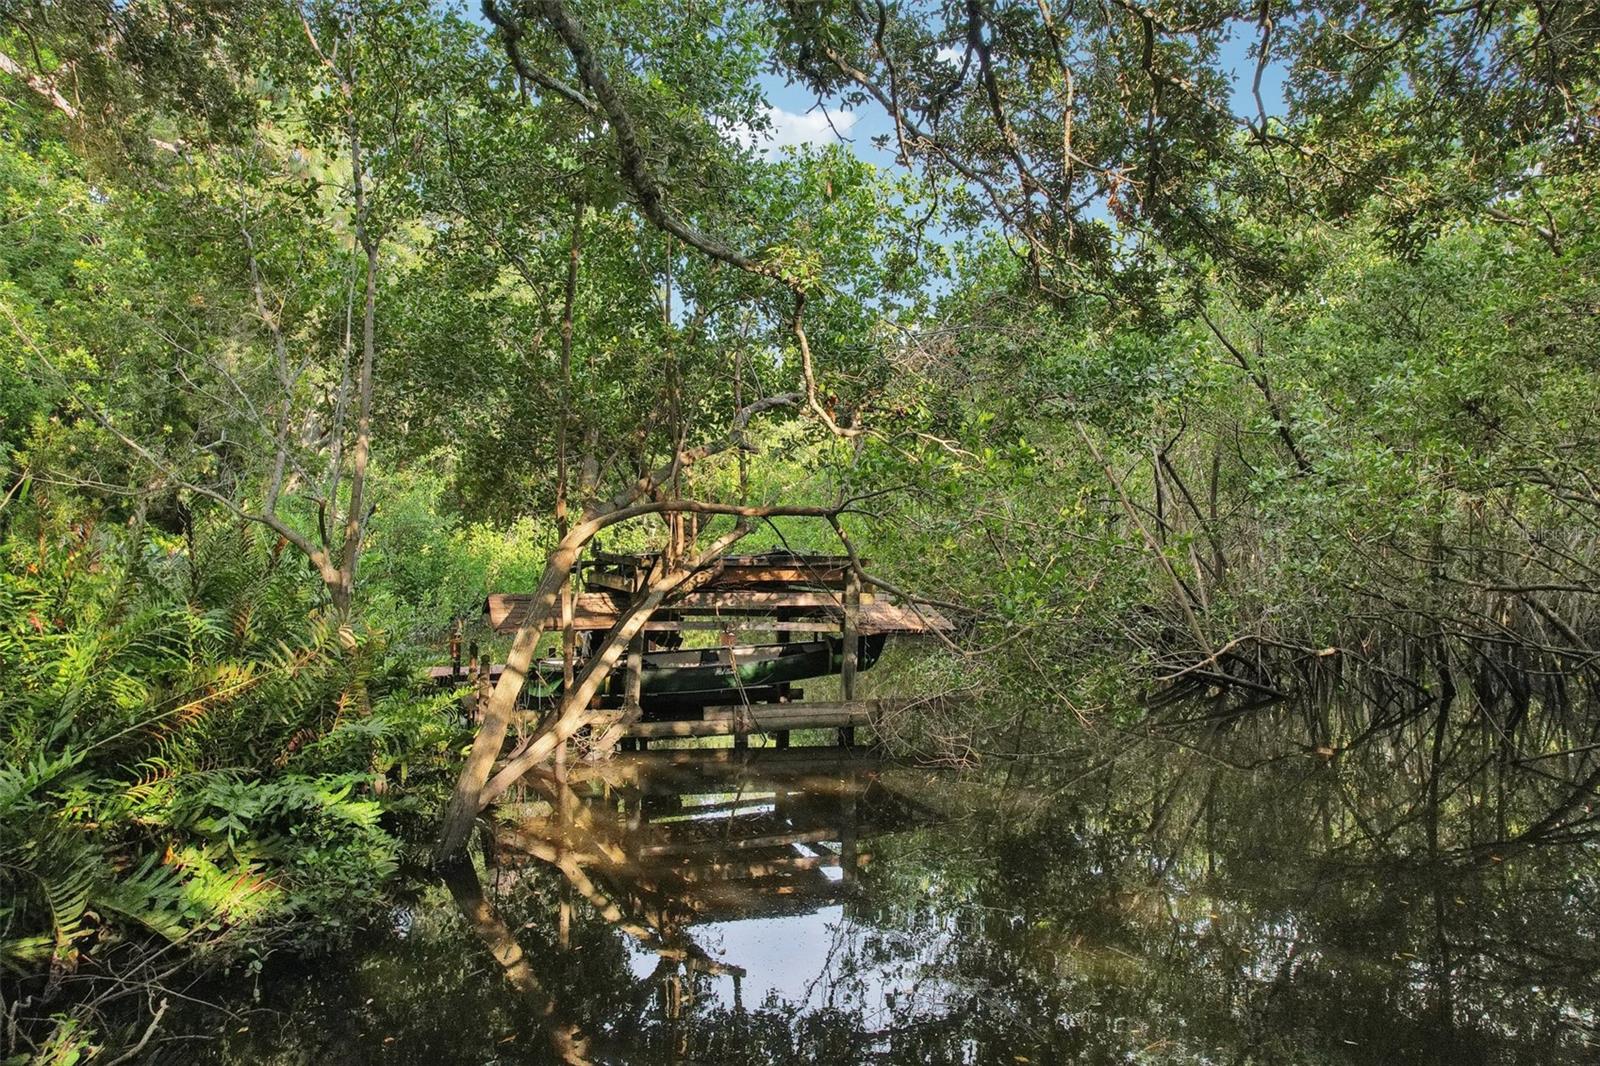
127	1056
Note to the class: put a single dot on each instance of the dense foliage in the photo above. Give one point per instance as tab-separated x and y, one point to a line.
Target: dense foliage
320	320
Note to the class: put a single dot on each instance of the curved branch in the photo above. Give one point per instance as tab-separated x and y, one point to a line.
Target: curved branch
636	169
513	39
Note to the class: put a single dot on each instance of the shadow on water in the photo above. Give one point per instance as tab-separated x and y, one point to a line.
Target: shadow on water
1211	895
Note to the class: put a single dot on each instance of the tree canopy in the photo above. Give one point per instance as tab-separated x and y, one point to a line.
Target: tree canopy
1174	347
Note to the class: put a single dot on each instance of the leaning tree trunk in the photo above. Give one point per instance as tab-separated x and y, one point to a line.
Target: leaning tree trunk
463	809
466	801
575	712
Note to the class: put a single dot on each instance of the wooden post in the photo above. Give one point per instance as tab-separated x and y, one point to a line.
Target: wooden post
485	689
455	651
849	646
635	674
741	715
475	699
569	647
781	737
633	684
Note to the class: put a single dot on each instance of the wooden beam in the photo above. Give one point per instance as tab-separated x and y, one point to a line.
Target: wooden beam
810	568
635	674
599	611
616	582
719	722
830	575
782	629
752	601
663	730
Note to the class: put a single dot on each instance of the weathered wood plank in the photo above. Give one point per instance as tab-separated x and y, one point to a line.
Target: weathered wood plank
745	626
829	574
598	611
754	600
767	719
592	610
614	582
634	672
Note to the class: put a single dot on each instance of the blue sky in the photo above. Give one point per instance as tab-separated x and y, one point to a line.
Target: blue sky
798	117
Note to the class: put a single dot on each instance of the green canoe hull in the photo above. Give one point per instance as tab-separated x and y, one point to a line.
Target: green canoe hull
719	672
707	676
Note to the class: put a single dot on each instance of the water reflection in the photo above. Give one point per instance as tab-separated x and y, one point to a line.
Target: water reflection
567	1040
1222	895
758	853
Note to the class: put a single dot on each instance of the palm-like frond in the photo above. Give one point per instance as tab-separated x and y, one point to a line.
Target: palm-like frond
188	756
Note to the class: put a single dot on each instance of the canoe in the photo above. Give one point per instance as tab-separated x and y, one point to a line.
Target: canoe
724	672
703	676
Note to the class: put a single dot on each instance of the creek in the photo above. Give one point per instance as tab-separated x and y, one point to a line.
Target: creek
1217	893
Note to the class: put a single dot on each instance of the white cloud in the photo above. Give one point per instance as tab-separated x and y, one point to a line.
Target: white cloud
789	129
951	55
812	127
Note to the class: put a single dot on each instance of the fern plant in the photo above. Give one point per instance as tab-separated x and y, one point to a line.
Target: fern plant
188	754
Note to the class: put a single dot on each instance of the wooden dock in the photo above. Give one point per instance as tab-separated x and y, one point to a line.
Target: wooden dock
677	837
816	616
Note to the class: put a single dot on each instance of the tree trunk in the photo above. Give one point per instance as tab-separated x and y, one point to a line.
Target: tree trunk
486	745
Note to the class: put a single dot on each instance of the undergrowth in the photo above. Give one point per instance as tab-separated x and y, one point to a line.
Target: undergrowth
198	767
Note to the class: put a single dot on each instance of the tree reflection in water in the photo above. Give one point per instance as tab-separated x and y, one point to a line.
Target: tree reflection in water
1238	890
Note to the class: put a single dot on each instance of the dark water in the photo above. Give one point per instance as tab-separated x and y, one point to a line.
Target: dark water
1143	900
